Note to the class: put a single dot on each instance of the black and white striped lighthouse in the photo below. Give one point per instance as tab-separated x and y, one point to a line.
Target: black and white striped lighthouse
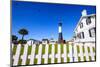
60	37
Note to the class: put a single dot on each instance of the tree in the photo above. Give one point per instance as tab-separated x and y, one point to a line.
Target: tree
23	32
14	39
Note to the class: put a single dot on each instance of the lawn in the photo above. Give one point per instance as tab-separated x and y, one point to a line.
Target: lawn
68	59
36	49
62	49
56	48
14	49
62	60
67	48
35	60
43	49
49	60
78	49
21	53
42	61
29	49
50	48
83	49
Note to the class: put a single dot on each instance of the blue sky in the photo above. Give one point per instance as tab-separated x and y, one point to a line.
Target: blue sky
41	19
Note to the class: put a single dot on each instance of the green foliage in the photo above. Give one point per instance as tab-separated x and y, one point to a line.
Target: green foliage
23	32
22	41
56	48
14	39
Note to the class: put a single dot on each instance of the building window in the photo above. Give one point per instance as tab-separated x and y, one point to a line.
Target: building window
88	20
81	25
92	32
82	35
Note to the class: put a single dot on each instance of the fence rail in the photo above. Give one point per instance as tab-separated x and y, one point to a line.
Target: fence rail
51	53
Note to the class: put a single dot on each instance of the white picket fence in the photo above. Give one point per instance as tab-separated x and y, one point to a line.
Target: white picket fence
67	55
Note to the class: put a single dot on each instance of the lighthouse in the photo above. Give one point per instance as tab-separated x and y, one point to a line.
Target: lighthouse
60	37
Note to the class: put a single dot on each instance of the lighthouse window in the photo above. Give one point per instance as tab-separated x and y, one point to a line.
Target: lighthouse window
92	32
88	20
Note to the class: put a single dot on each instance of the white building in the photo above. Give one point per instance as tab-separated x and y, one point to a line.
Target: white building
85	31
33	41
45	41
52	41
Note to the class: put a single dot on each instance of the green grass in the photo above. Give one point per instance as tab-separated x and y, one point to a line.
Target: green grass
88	49
79	59
35	60
29	52
93	49
14	49
19	61
68	59
28	61
43	49
90	58
56	48
29	49
62	49
49	60
22	50
67	48
55	60
78	49
62	60
42	61
84	57
21	53
50	48
95	57
37	48
83	49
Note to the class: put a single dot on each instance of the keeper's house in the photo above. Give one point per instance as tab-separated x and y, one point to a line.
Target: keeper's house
85	31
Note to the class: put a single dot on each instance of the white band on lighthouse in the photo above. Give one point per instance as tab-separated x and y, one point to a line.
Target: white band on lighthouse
59	29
